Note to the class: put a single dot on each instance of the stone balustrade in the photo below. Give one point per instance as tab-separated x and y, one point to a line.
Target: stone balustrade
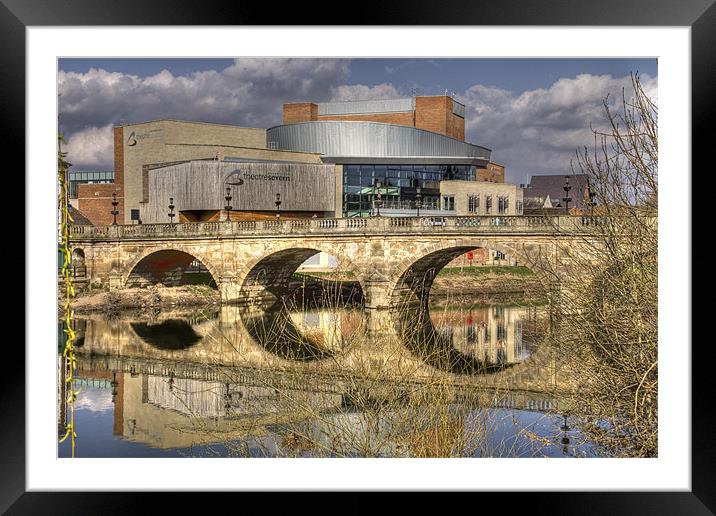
524	224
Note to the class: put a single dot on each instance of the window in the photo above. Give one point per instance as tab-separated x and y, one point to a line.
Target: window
519	207
77	177
473	203
502	204
449	202
488	204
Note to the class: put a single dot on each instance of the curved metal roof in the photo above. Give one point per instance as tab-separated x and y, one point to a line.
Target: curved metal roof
354	141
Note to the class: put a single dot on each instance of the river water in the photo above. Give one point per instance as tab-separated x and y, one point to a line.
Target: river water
318	382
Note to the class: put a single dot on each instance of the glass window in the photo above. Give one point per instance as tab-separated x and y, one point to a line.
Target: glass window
502	204
449	202
488	204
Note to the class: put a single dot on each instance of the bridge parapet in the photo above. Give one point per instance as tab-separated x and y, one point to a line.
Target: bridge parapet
518	225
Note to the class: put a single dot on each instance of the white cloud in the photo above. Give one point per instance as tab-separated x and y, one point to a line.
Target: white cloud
91	147
534	132
250	92
538	131
94	400
347	92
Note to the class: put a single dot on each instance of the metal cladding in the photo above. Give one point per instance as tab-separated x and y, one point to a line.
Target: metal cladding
374	142
202	185
366	106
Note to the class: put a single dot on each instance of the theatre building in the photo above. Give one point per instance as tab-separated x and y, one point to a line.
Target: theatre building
405	153
211	190
140	147
333	159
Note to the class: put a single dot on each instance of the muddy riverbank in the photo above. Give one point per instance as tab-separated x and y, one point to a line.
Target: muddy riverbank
156	298
449	288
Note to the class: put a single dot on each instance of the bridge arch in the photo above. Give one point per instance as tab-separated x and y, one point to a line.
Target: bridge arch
414	275
266	278
166	257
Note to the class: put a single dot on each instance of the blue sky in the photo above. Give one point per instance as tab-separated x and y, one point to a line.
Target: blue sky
533	113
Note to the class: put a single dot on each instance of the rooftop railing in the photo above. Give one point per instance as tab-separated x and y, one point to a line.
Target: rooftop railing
373	225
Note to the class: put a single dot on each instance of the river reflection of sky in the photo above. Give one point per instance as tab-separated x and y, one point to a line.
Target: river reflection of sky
95	412
513	433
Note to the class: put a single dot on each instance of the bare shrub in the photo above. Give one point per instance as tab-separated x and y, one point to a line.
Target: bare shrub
608	330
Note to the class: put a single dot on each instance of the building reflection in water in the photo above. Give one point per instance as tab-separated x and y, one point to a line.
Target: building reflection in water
473	341
223	376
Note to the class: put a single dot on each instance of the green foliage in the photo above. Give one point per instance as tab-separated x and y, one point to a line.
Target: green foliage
513	270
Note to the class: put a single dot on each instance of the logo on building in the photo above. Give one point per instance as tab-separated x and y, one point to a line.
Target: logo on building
132	140
234	179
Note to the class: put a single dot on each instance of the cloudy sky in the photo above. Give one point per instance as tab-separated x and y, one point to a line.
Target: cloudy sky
532	113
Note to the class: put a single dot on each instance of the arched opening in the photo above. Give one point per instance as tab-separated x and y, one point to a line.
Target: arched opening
461	265
170	267
302	335
481	340
438	348
78	267
169	335
294	277
475	323
413	286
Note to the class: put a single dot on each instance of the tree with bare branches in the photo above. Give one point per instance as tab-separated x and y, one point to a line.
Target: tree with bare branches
608	332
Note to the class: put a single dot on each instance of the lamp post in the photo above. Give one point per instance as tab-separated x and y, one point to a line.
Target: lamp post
566	197
171	210
278	206
418	199
114	211
592	203
565	438
228	203
114	385
378	201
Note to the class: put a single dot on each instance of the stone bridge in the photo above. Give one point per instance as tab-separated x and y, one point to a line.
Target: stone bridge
392	258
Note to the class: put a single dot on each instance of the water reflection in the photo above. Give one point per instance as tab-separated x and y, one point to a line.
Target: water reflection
170	334
474	341
301	335
268	382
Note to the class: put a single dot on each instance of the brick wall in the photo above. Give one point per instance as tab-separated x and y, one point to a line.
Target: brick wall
300	112
494	173
95	201
480	256
435	114
431	113
119	156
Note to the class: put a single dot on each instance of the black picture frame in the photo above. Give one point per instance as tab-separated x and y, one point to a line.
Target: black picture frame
700	15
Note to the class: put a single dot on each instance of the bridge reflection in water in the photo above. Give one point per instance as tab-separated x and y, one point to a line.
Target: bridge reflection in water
286	377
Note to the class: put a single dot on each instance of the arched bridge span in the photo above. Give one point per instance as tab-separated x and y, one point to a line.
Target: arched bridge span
393	259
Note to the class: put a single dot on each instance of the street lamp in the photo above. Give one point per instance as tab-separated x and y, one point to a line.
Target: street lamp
566	197
171	210
114	385
114	211
278	205
228	203
592	203
418	199
565	438
378	201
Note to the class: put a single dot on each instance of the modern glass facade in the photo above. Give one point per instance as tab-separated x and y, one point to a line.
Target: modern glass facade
398	184
81	176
